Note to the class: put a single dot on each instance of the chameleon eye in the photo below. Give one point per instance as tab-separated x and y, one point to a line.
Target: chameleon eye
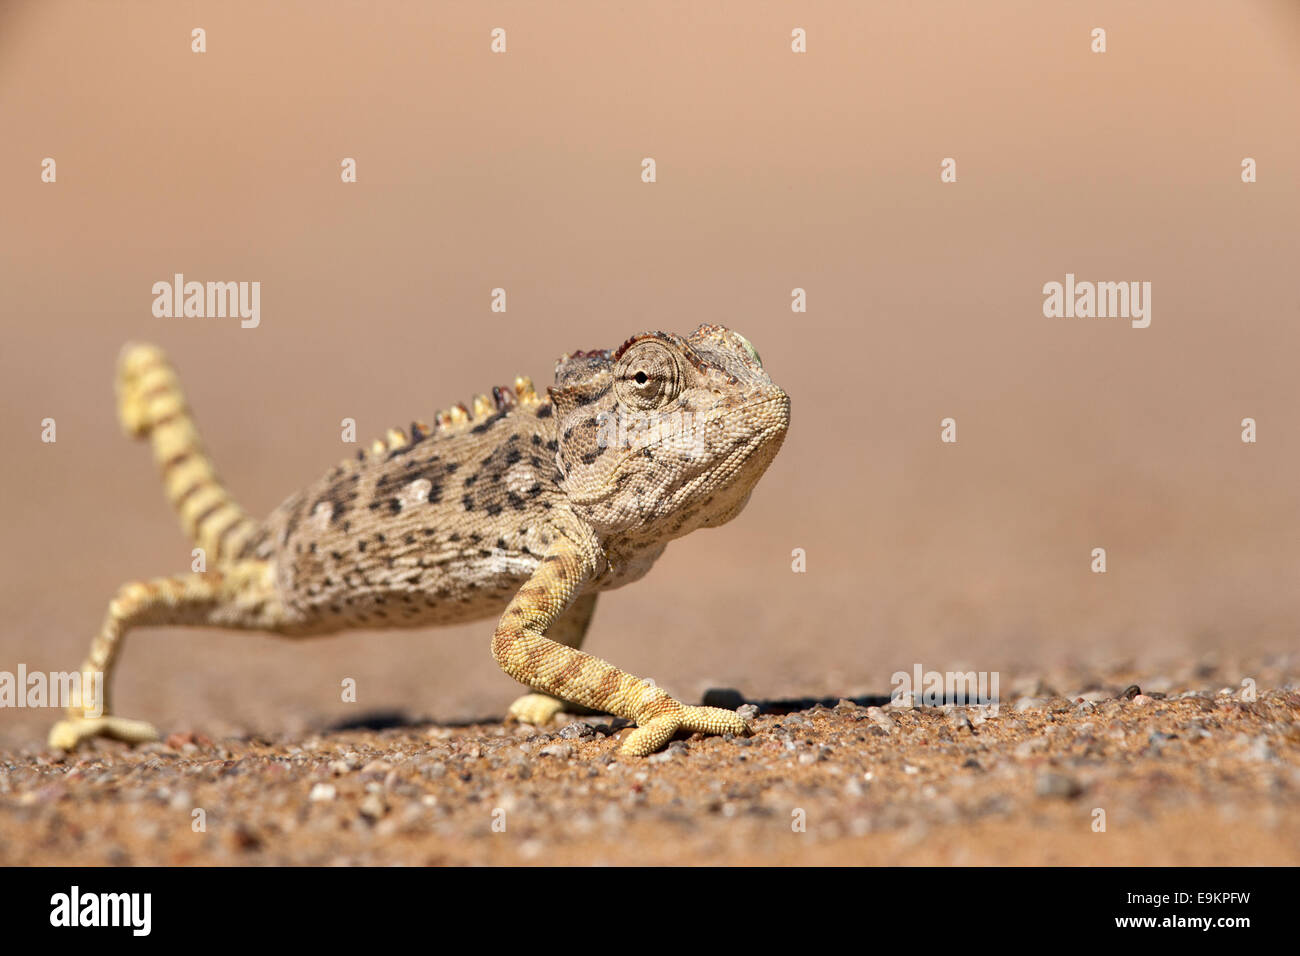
648	376
753	352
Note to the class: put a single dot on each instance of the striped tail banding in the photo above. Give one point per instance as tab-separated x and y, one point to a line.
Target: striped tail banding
151	405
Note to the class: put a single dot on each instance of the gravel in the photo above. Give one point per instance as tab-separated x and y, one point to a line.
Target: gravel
897	785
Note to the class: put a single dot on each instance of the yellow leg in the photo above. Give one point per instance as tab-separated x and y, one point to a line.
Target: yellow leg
569	629
238	595
524	652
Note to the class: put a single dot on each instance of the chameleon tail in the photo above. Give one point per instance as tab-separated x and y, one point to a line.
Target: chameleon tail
151	405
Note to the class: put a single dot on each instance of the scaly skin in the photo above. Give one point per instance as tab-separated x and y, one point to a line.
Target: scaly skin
528	504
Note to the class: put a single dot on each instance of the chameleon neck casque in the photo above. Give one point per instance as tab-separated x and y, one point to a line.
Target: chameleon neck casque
521	508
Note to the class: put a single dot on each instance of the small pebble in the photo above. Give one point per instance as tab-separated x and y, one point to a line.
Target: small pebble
881	719
373	807
1052	784
322	793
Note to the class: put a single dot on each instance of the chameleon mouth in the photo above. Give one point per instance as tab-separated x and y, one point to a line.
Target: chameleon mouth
768	435
775	430
779	398
704	465
759	452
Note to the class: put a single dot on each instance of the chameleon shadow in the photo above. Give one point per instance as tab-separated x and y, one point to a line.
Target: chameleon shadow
730	699
725	697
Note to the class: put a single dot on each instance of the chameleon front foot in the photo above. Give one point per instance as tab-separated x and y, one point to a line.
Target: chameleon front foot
71	733
657	731
536	709
540	709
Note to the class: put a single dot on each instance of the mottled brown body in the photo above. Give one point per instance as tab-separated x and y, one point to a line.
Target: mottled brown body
439	531
522	507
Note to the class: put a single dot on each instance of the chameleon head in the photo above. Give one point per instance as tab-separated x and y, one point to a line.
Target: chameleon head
666	434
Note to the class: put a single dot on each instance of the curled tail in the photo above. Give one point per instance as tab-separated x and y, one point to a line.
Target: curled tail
151	405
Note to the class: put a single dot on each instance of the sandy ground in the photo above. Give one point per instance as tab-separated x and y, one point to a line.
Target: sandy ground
1104	776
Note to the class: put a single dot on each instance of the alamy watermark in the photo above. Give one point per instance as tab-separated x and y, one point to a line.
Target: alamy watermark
130	910
1100	300
680	431
61	689
212	300
922	688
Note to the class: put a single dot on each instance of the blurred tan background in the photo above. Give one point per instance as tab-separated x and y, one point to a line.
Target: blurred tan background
775	170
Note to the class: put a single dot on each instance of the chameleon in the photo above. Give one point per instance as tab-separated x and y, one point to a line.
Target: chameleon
519	507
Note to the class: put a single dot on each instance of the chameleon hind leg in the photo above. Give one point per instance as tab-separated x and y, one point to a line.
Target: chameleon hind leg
569	629
241	595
